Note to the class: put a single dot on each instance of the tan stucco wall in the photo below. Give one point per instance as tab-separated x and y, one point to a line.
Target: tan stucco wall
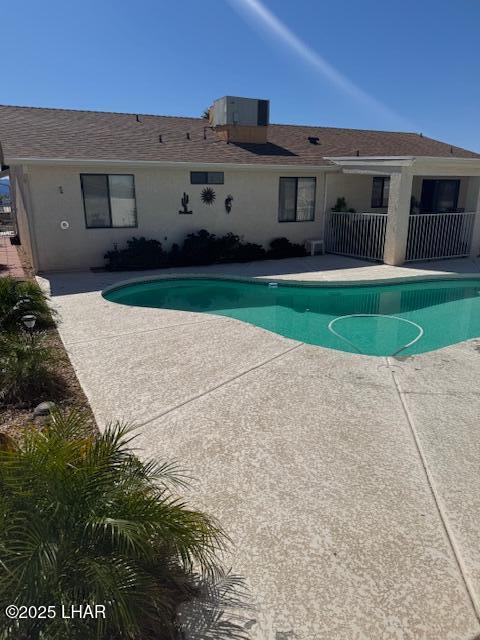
254	212
19	189
356	189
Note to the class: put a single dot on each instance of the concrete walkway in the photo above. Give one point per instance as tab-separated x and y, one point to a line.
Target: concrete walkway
349	484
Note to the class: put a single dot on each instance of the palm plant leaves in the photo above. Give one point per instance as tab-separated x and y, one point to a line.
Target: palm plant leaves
26	367
19	298
83	520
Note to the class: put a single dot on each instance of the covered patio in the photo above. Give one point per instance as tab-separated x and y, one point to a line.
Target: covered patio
397	210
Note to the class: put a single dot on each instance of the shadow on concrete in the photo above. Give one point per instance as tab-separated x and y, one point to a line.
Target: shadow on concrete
450	265
68	283
222	611
309	268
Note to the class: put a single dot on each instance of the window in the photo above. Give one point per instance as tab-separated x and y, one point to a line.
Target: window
206	177
380	191
108	200
296	199
439	196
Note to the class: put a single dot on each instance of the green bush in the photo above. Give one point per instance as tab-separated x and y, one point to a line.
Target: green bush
248	252
283	248
139	253
84	521
175	256
206	248
199	248
27	370
19	298
341	206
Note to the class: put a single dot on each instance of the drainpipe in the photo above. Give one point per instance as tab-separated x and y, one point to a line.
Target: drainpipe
398	217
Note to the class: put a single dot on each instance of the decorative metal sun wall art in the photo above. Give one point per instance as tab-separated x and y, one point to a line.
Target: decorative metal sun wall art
208	195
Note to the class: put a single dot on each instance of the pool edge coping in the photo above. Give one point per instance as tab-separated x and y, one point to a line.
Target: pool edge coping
289	282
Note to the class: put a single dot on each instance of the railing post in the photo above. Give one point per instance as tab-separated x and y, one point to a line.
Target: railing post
475	242
398	217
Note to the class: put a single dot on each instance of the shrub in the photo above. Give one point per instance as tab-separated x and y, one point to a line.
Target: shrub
227	247
341	205
175	258
283	248
26	368
139	253
83	520
19	298
248	252
199	248
206	248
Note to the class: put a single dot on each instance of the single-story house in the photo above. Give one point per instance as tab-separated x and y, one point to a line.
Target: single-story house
83	180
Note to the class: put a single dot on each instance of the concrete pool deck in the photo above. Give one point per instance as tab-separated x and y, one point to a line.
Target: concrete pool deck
349	484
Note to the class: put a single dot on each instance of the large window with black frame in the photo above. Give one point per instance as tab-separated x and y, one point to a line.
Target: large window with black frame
109	200
380	192
296	201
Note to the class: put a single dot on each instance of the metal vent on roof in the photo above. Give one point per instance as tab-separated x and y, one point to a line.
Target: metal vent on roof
313	139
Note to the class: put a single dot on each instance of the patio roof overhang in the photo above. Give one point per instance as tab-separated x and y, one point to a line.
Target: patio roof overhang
417	165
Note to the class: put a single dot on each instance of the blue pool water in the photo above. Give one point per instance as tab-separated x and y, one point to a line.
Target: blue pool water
372	319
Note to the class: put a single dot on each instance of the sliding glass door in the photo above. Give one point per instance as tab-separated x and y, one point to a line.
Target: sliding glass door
439	196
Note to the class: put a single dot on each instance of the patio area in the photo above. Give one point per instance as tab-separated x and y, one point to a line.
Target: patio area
349	484
10	264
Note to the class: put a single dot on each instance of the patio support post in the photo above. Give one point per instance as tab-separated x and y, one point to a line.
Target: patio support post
474	183
398	217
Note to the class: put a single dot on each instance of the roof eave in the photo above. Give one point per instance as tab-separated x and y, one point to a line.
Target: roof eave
313	168
400	160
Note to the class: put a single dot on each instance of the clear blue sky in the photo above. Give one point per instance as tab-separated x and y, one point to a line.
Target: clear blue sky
412	65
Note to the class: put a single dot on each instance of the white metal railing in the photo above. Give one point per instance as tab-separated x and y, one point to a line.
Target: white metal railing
360	235
439	235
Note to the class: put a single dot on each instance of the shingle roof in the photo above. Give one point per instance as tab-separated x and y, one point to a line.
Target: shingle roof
31	132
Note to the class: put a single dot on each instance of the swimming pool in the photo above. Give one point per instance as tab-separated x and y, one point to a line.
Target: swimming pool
371	319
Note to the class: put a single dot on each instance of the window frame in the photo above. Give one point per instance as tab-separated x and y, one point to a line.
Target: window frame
435	194
297	178
111	226
207	174
379	206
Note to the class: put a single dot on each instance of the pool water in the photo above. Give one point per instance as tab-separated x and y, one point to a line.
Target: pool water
372	319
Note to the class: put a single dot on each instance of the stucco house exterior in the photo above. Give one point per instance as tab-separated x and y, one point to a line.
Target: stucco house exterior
82	181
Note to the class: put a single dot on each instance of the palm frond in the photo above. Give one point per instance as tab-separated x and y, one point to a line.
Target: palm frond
82	519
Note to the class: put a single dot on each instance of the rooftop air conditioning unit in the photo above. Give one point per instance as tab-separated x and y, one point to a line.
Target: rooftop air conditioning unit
241	119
